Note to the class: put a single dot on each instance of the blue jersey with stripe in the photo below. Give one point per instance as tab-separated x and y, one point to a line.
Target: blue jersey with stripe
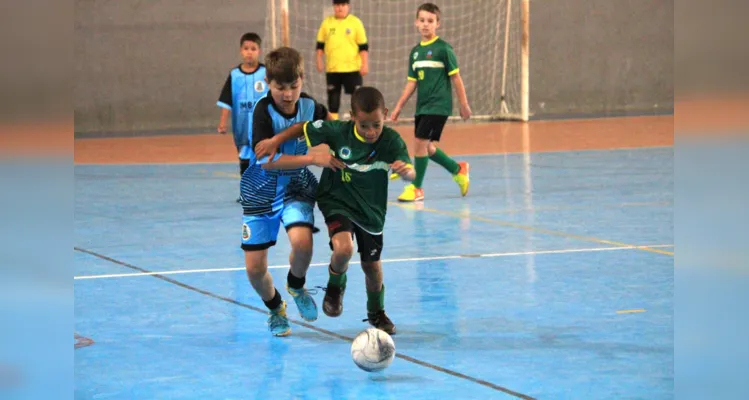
240	94
264	191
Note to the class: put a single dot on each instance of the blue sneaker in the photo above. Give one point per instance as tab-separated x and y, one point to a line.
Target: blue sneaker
304	302
278	322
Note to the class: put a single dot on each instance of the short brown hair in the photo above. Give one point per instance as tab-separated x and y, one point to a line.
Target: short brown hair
284	65
367	99
430	8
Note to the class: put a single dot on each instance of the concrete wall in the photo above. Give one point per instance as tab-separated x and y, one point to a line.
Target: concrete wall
601	57
156	65
144	66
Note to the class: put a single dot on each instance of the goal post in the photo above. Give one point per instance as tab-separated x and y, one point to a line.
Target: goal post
491	39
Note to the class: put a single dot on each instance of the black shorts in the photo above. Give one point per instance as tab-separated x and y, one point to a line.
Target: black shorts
429	127
349	80
369	245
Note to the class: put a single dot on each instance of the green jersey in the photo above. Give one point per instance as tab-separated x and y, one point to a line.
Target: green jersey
431	64
358	192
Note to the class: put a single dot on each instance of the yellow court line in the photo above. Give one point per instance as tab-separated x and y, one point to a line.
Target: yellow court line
638	310
530	228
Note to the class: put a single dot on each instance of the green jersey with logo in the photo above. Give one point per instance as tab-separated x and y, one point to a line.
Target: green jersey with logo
431	64
358	192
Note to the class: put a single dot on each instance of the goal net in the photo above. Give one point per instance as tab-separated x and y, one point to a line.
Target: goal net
486	35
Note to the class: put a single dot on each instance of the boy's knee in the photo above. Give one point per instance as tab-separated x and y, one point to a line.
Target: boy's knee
343	246
302	247
371	266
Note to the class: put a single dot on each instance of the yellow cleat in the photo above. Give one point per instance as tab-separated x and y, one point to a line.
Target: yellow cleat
394	176
411	193
462	178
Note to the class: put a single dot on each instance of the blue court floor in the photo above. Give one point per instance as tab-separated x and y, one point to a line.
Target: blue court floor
552	279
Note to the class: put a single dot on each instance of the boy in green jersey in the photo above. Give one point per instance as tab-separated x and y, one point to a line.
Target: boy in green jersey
432	69
353	195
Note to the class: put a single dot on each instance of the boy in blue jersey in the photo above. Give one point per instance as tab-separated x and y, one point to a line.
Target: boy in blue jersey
271	197
244	86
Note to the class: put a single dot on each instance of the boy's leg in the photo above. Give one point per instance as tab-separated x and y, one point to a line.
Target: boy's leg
342	243
459	170
334	93
258	234
298	218
370	248
351	81
424	127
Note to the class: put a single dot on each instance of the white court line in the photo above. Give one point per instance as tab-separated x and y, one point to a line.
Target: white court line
394	260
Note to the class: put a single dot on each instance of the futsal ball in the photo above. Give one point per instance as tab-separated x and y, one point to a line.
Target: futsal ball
373	350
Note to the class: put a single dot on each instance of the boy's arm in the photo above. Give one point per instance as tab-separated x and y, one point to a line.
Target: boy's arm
321	33
407	92
314	134
222	122
361	40
451	65
402	164
225	102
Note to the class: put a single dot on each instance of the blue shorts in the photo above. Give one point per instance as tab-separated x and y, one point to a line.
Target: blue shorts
245	152
260	232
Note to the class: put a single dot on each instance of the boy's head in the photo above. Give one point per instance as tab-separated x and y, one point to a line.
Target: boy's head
284	71
249	48
368	112
428	20
340	8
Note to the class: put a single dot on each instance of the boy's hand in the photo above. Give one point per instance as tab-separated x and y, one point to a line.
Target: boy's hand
266	147
402	169
320	65
221	127
394	115
327	160
364	70
465	111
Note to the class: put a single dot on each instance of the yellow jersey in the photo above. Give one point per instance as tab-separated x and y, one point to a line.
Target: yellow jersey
342	40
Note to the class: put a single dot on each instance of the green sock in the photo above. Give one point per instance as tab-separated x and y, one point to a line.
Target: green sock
376	300
444	160
337	280
421	169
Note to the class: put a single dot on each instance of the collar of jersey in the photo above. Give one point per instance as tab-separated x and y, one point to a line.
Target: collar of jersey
253	72
432	40
359	137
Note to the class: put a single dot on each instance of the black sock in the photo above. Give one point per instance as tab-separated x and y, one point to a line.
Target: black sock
294	282
275	302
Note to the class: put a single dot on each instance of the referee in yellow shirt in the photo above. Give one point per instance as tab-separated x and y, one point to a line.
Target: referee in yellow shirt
343	41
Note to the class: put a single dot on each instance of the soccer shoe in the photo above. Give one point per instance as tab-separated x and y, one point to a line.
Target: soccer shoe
394	176
304	302
380	320
332	304
411	193
278	322
462	178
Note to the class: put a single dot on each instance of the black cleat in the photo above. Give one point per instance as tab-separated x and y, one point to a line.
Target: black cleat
380	320
332	304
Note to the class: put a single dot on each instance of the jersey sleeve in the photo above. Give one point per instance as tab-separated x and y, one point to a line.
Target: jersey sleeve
262	127
319	131
411	71
451	61
321	35
224	99
398	150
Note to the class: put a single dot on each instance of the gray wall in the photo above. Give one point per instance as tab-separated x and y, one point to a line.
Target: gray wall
601	57
156	65
144	66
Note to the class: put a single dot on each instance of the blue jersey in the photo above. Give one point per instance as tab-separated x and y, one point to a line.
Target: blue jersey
240	94
265	191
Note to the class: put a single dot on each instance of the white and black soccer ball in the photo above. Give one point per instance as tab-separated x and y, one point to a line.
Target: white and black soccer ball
373	350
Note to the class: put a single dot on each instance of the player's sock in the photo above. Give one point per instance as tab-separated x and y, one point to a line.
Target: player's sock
275	302
421	167
445	161
243	165
376	300
294	282
336	280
